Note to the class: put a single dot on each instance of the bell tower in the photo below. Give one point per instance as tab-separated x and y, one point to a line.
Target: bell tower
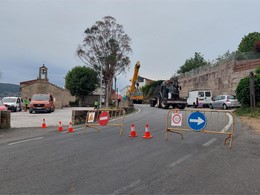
43	73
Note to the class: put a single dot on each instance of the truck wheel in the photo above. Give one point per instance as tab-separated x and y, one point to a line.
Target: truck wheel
152	103
181	106
159	103
165	105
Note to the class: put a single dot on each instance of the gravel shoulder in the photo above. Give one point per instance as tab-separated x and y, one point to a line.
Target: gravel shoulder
254	123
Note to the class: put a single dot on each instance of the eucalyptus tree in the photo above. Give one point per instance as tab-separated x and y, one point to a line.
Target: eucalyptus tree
106	47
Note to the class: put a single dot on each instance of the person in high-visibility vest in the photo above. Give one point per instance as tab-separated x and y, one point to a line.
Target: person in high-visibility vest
96	104
26	103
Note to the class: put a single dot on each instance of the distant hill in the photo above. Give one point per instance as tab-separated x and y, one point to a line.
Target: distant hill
7	89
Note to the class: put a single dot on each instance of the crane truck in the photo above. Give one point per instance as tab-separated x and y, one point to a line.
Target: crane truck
134	94
168	94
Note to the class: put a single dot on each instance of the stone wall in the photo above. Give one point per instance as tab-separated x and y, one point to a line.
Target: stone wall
220	79
5	119
90	100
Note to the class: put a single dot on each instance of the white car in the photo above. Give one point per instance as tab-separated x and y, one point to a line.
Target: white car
13	103
225	102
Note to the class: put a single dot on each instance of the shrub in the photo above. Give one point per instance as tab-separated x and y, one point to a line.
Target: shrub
243	91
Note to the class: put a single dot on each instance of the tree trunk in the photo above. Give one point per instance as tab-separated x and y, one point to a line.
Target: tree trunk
109	84
81	99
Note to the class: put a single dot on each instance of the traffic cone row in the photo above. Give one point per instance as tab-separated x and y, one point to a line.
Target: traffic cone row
147	134
60	128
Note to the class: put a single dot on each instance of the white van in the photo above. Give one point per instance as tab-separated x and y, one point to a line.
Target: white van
13	103
199	98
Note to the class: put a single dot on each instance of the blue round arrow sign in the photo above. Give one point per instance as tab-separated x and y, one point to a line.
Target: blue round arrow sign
197	121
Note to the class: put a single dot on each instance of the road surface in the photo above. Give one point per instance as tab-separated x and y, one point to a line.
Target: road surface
52	162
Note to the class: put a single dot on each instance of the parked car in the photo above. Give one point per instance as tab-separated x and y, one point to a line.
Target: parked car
195	98
42	103
2	106
225	102
13	103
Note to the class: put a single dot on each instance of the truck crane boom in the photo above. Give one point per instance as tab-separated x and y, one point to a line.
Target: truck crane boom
133	93
137	66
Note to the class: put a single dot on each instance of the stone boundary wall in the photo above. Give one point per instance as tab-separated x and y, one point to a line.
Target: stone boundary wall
79	116
5	119
220	79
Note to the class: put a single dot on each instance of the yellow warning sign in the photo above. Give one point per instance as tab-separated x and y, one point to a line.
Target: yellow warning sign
91	117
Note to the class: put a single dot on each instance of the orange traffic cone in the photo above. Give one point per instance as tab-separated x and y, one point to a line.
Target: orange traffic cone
43	123
60	127
133	132
147	134
70	130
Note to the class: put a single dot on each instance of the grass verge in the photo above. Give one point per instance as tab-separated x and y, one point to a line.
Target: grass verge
249	112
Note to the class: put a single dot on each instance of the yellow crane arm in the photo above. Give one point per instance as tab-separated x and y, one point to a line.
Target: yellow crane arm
137	66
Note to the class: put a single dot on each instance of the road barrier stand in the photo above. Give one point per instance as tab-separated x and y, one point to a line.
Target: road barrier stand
105	117
203	120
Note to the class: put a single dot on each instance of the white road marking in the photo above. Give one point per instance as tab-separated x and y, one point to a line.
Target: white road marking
230	122
27	140
180	160
74	129
210	142
124	189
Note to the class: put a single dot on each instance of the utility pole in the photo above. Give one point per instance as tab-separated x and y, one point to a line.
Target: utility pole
252	89
101	90
115	87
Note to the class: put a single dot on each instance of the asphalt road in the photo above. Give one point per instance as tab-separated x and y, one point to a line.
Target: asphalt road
50	162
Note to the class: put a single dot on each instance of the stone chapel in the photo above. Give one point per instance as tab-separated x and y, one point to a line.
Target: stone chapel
42	85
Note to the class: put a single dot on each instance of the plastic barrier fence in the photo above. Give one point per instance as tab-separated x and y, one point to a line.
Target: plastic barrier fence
204	121
105	117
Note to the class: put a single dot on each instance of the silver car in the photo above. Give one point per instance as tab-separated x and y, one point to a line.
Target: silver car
225	102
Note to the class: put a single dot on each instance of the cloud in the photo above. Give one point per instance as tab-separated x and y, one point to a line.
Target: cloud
164	33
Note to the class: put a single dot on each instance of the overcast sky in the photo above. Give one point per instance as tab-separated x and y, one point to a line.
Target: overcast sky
164	33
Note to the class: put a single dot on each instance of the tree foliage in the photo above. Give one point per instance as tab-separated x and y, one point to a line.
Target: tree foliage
257	70
193	63
81	81
243	90
248	42
149	89
225	56
106	45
